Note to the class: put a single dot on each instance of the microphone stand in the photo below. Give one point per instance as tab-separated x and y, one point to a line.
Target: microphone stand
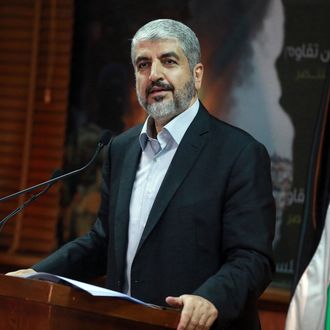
106	137
56	174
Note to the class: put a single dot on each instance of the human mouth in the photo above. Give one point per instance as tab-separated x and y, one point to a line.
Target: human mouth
158	89
157	92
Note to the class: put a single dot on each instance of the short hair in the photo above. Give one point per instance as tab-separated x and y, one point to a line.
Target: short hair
162	29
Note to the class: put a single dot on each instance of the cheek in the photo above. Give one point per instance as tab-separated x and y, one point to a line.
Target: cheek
138	87
140	83
181	79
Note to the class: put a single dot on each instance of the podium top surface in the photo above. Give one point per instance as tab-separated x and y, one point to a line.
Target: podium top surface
43	292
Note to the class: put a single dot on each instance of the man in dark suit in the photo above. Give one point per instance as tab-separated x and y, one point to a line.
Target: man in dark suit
187	213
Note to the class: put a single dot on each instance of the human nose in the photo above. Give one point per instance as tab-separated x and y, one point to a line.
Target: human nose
156	72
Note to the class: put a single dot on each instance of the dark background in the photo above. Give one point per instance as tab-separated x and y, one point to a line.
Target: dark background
102	86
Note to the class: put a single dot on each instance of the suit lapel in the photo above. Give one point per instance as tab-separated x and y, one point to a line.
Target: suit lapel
129	168
184	158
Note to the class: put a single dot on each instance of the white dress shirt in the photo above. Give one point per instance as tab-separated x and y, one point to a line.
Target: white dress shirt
156	158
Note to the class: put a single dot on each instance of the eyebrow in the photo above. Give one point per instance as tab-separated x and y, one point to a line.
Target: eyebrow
170	54
165	55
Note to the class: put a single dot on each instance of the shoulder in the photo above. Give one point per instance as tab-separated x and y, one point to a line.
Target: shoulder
230	139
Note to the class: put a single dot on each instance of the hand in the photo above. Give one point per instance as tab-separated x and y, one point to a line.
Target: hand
197	312
22	272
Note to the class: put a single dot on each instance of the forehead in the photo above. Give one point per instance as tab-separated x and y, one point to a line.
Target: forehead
157	48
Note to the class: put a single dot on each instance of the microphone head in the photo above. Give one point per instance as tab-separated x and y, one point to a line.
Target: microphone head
105	138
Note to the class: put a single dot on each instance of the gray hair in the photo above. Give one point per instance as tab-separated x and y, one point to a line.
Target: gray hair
162	29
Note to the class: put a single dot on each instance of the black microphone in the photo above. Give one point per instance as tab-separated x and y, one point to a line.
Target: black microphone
106	137
56	174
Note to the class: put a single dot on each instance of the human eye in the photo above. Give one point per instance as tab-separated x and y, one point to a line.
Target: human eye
142	65
170	61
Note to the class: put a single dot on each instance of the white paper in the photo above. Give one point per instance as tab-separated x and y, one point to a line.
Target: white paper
91	289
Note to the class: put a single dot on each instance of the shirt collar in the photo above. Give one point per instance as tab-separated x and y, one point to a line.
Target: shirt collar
176	127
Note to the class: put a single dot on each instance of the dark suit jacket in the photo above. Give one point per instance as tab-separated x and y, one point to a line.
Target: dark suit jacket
209	232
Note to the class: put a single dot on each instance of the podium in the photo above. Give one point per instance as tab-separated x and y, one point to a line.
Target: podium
39	305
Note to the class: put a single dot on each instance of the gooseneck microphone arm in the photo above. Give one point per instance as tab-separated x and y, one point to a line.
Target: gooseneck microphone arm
56	174
104	140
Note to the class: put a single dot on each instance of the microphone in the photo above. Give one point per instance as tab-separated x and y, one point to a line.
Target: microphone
56	174
106	137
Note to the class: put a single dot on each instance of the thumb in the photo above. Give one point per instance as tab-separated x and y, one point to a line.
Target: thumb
174	301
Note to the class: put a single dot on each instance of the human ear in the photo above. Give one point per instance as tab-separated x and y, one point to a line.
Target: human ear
198	75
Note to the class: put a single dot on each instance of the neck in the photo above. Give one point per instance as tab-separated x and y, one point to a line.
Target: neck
160	123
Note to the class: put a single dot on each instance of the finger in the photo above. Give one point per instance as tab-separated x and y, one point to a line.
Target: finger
211	317
202	323
174	301
186	314
206	322
22	272
184	321
197	320
203	315
209	322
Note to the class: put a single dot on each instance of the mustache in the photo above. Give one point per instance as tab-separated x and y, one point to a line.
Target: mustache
159	84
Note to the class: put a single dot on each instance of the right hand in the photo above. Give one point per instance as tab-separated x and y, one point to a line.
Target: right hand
22	272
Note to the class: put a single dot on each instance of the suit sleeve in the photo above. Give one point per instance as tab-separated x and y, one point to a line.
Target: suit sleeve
84	257
248	224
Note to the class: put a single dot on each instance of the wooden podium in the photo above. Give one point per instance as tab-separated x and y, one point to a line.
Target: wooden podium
32	304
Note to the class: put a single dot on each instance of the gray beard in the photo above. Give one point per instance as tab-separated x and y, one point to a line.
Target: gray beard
164	110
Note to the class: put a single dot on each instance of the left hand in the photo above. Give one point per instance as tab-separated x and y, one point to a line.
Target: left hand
197	312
